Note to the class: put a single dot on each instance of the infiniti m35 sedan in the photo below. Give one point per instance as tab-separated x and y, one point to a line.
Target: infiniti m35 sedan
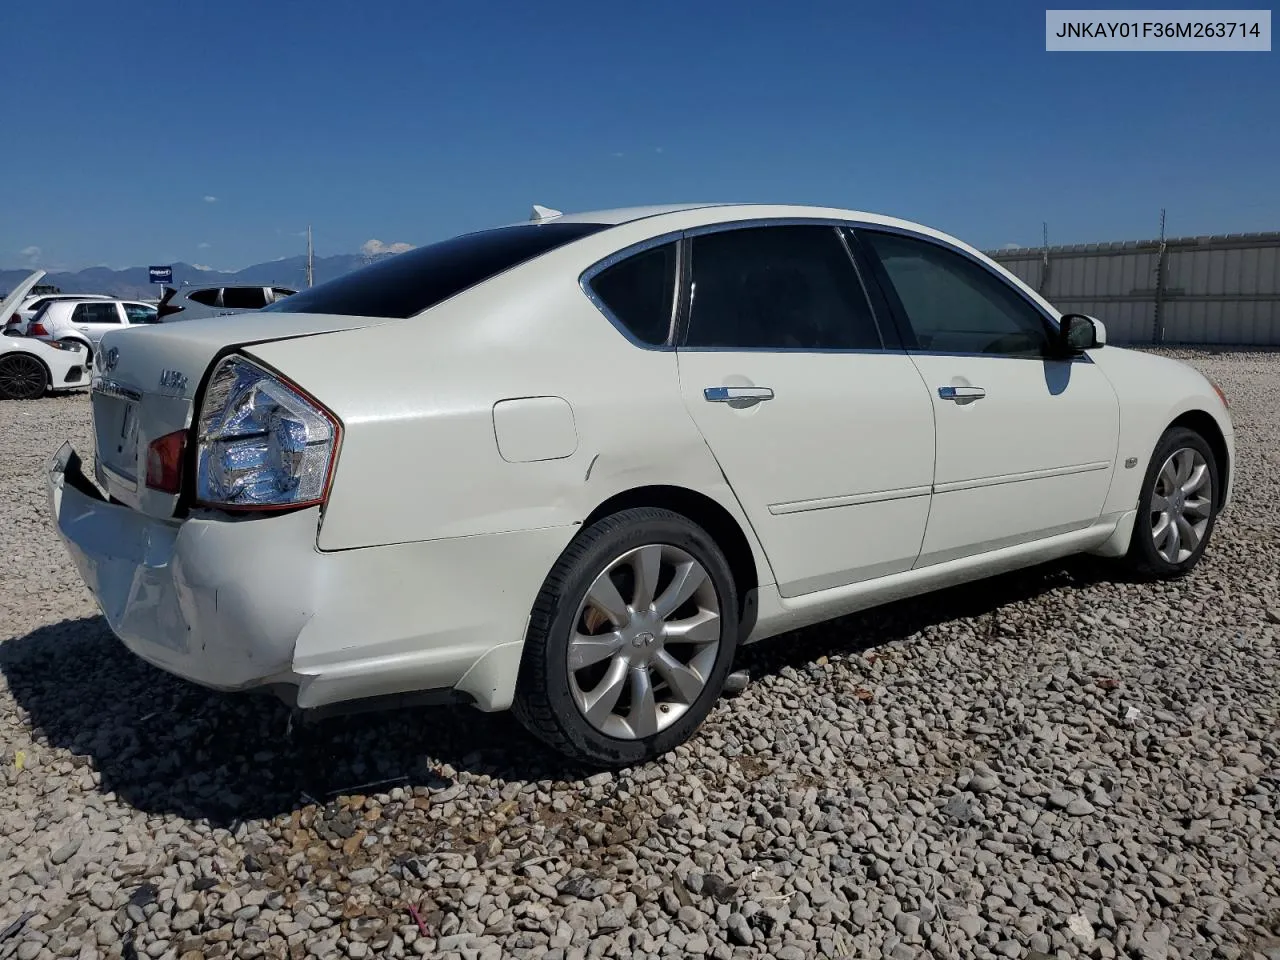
568	466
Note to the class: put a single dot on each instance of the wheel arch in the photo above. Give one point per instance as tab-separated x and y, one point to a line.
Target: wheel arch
1203	423
713	517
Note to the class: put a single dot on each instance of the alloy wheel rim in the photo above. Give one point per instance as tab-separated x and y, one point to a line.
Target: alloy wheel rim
21	376
645	640
1181	505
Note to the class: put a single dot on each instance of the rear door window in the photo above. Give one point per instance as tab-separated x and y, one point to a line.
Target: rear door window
208	298
787	287
98	313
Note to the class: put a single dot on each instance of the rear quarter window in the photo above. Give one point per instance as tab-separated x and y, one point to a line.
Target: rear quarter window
639	293
208	298
244	298
410	282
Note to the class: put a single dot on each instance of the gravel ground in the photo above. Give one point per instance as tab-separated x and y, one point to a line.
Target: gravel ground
1051	761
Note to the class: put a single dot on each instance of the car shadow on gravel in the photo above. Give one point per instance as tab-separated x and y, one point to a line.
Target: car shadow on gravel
165	746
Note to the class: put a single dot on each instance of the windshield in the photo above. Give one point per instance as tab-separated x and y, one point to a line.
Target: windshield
408	283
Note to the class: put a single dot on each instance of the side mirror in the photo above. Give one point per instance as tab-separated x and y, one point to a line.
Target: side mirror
1077	333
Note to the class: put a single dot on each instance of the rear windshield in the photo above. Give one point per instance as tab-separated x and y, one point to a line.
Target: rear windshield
408	283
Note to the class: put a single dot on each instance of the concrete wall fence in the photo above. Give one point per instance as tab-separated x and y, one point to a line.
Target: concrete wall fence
1219	290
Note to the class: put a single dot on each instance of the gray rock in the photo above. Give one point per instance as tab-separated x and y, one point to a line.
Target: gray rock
908	925
738	930
814	808
611	920
65	852
961	808
983	782
1060	799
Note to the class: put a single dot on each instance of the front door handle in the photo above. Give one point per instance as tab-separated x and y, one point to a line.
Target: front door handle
961	393
725	394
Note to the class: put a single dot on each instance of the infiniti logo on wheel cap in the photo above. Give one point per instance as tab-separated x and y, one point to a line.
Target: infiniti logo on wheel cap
643	640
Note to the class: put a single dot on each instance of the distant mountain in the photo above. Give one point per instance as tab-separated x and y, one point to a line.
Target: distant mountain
133	282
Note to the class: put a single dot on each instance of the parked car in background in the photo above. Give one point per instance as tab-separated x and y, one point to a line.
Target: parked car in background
195	302
570	466
86	321
28	367
19	319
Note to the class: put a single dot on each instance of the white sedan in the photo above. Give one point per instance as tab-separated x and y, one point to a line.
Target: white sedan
569	466
29	368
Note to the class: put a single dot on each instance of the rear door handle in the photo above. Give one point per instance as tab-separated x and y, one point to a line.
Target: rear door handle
961	393
725	394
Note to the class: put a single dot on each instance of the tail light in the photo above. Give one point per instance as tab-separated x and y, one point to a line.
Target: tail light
164	462
264	444
37	330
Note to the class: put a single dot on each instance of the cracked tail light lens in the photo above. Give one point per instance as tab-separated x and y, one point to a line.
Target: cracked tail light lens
262	444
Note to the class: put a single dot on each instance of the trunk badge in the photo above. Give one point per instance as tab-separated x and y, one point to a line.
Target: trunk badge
173	380
110	360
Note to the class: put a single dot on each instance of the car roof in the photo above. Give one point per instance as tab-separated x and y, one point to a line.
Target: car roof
691	214
717	210
73	301
619	215
68	296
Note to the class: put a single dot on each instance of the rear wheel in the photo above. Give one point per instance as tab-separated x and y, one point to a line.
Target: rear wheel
630	640
1177	508
22	377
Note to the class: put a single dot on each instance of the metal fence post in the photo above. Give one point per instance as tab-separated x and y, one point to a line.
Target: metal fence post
1044	265
1158	312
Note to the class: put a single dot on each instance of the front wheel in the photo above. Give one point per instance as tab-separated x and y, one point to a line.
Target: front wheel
1177	507
630	640
22	377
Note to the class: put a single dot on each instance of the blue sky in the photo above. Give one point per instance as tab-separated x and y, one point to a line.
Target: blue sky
213	132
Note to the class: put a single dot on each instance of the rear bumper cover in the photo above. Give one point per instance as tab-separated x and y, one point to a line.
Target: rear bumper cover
235	604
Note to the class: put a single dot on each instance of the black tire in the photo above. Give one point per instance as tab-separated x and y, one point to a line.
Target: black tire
544	701
1143	558
22	377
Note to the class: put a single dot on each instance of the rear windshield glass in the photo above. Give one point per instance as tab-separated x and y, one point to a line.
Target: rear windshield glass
408	283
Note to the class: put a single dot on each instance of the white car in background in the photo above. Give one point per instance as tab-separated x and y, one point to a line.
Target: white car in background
87	321
18	320
569	466
29	368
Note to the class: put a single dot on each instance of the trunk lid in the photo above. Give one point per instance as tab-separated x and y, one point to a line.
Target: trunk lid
16	296
145	380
